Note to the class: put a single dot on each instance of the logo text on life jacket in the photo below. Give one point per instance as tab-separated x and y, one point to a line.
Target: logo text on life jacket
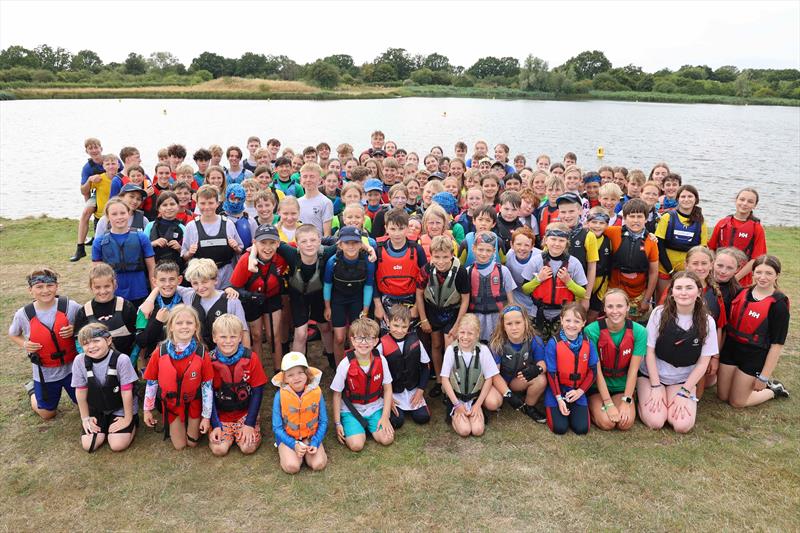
397	267
626	352
743	235
377	377
754	314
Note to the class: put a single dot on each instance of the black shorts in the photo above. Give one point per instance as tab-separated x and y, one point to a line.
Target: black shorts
595	303
747	361
441	319
343	314
105	421
307	307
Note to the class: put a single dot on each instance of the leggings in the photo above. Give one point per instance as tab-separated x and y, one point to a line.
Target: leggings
420	415
578	420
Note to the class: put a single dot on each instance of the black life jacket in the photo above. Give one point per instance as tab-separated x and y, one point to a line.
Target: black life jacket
679	347
122	336
220	307
105	398
214	247
577	245
631	257
603	268
137	221
172	233
313	285
349	278
512	361
404	366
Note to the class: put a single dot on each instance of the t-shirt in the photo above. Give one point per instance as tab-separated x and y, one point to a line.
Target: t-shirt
316	210
237	178
130	285
517	267
125	373
90	169
253	374
634	283
489	321
340	380
102	191
403	399
191	237
592	332
573	267
668	374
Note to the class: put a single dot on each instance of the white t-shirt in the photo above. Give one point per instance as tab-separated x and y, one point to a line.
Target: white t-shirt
316	210
488	366
340	379
403	399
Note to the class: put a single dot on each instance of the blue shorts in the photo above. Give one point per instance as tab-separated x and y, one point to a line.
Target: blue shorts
352	426
52	390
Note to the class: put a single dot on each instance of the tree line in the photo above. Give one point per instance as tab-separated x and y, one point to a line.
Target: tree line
587	71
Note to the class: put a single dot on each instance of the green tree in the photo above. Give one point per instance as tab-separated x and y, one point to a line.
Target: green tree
324	74
251	65
213	63
402	64
533	74
587	64
343	62
135	64
379	72
486	67
725	74
53	59
744	84
165	62
437	62
18	56
423	76
86	60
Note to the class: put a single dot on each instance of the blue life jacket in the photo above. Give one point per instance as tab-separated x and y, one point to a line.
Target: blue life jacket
243	229
680	236
470	240
126	258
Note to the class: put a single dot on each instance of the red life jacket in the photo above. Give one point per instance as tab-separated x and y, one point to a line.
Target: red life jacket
231	383
546	216
572	369
397	276
552	293
614	360
179	391
487	294
361	387
742	237
749	322
55	351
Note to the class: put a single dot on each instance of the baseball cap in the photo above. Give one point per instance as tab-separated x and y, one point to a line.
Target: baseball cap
132	187
568	198
373	184
378	153
349	234
266	231
293	359
436	176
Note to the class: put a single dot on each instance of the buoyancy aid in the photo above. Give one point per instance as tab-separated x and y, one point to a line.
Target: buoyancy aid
363	387
55	351
442	295
512	361
487	293
214	247
425	241
116	324
207	319
349	278
552	293
129	257
714	304
680	236
173	232
397	276
603	268
231	383
572	368
178	392
300	413
137	220
243	229
577	245
742	237
679	347
546	216
271	272
467	381
105	398
298	284
749	320
614	360
403	365
631	256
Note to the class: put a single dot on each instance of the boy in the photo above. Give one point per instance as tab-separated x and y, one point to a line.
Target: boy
650	193
236	173
513	182
176	153
397	268
274	146
409	366
96	188
391	173
491	284
344	151
93	167
44	329
548	211
591	188
636	179
376	141
264	202
485	220
570	159
669	200
202	157
582	242
508	220
185	173
373	189
212	236
216	155
609	196
163	156
527	211
253	144
130	159
398	198
501	152
309	155
460	149
324	154
597	223
363	384
520	254
263	158
315	207
282	181
185	203
573	183
150	330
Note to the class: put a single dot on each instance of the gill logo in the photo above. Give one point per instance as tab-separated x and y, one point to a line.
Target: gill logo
397	267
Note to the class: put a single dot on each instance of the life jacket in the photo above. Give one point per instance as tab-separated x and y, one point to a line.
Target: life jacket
300	414
714	304
546	216
243	229
403	365
552	293
272	272
577	245
172	233
176	391
572	368
679	347
749	321
137	220
603	267
631	256
126	258
743	237
444	295
214	247
363	387
231	387
487	293
614	360
349	278
469	239
512	361
313	285
397	276
105	398
425	241
467	381
679	236
207	319
466	222
55	351
116	324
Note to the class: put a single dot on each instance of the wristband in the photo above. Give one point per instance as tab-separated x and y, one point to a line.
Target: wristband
423	321
694	398
684	389
559	397
761	378
682	395
655	386
337	424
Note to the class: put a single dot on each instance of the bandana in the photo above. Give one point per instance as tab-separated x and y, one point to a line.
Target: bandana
234	199
41	278
230	359
669	203
160	301
100	333
485	237
509	308
556	233
592	178
598	216
174	354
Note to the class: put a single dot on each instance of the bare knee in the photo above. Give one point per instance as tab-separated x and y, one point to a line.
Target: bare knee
219	450
684	426
45	414
248	449
604	423
291	467
737	403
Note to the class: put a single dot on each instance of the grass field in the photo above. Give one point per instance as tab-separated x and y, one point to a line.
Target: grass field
737	470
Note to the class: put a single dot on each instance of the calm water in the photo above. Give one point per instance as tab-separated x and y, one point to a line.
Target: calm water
715	147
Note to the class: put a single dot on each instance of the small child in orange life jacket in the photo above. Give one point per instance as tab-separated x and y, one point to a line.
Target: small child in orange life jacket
299	417
238	385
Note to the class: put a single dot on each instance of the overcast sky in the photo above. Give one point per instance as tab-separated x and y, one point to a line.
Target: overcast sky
652	35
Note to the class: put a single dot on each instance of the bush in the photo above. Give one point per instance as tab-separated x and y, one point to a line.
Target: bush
204	75
764	92
606	82
75	77
423	76
409	82
16	74
324	74
43	76
464	81
664	87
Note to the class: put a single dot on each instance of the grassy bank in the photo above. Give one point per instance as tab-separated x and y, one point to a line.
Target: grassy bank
255	89
736	470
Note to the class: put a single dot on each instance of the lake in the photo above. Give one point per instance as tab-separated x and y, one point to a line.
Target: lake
717	148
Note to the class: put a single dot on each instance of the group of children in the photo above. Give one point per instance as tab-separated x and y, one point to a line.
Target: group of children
495	282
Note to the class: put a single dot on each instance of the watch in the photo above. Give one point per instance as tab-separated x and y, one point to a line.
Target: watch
627	399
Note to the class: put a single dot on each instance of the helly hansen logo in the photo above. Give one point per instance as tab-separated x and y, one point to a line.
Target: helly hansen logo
626	352
377	377
754	314
743	235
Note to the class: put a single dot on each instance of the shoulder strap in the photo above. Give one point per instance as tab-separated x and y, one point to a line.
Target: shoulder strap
119	304
30	311
88	310
62	305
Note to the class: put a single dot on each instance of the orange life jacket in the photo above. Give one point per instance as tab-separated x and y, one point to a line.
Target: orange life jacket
300	414
55	351
572	368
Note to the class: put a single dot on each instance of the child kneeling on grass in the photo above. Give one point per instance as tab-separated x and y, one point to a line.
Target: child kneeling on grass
299	417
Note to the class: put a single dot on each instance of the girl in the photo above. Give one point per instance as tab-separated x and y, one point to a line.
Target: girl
728	262
621	345
234	209
216	176
128	252
457	169
444	165
330	188
650	193
490	185
570	359
413	158
431	163
430	188
398	197
491	283
756	335
537	184
289	213
186	203
742	230
414	200
681	340
700	261
452	186
390	147
435	222
166	232
251	187
467	375
180	374
472	179
669	200
104	379
375	169
520	254
352	215
677	232
334	165
519	355
659	172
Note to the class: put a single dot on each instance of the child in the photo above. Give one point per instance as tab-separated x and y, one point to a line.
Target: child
348	286
609	197
520	254
352	215
373	189
474	201
185	174
729	260
650	193
236	174
573	183
591	188
251	187
215	176
117	314
597	222
166	232
330	188
409	367
283	178
434	223
484	220
315	207
132	195
212	236
671	183
508	221
548	211
289	215
491	284
163	178
451	186
449	204
636	179
96	188
742	230
103	379
238	385
128	252
519	355
429	190
460	149
253	144
202	158
617	175
264	202
92	169
180	376
233	208
364	384
414	199
467	375
150	330
543	162
490	186
299	417
44	329
570	359
582	241
176	153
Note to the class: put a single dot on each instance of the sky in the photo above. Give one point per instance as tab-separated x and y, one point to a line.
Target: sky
652	35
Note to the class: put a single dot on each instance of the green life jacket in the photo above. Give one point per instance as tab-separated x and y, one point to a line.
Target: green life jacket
467	381
311	286
445	295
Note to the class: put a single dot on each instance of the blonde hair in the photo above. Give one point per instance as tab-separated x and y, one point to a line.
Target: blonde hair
350	185
441	243
90	331
115	201
102	270
434	187
500	337
184	169
553	181
637	177
610	189
353	207
250	184
364	327
311	167
201	270
227	323
471	320
435	210
288	200
264	195
175	312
